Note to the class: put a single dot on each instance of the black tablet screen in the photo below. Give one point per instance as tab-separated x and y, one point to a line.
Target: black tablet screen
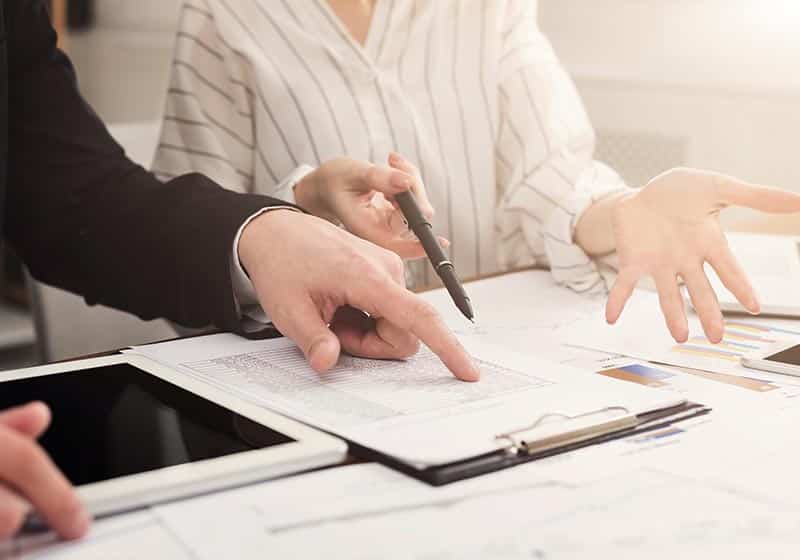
118	420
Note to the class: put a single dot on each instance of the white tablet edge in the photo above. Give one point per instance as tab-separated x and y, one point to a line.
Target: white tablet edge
311	448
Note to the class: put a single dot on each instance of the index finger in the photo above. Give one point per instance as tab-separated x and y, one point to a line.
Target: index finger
621	292
26	467
410	313
732	191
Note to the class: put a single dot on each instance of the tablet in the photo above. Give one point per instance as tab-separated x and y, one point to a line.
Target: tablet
772	262
129	432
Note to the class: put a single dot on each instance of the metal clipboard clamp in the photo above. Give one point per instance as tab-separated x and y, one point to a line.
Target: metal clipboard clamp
546	436
536	438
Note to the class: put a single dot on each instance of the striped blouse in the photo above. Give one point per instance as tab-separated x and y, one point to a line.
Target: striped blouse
469	90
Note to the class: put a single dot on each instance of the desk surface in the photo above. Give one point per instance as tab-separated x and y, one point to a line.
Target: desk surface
674	493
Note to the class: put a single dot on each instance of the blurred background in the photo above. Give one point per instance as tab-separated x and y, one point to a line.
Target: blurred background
703	83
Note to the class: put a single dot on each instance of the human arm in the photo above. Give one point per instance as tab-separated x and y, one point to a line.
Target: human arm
85	218
547	178
210	126
317	281
666	230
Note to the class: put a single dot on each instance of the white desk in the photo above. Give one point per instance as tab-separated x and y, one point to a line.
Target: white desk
720	486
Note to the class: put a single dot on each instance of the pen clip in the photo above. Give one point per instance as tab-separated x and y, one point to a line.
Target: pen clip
524	441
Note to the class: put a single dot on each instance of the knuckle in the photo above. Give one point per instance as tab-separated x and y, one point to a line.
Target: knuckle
424	311
409	348
394	265
356	263
372	175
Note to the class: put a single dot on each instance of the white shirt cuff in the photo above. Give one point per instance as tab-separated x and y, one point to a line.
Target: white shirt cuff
285	189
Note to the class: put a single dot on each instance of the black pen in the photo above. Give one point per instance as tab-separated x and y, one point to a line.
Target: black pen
443	267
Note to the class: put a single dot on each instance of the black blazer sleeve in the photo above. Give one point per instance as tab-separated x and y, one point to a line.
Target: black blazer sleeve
85	218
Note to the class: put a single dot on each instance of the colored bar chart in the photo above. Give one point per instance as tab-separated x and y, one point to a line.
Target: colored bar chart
740	338
649	376
706	350
640	374
749	383
657	435
762	328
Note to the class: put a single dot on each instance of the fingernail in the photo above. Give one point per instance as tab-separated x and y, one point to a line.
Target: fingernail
476	373
401	181
394	157
321	353
445	243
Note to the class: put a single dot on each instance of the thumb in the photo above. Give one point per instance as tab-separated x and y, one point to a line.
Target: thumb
31	419
304	326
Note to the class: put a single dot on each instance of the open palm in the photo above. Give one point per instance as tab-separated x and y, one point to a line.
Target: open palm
670	228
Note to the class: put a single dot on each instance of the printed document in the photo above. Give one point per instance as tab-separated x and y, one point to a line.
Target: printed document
524	311
641	333
414	410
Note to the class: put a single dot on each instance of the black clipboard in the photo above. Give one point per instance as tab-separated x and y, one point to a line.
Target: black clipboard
520	451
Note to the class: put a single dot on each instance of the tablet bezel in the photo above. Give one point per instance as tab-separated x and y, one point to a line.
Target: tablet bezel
311	448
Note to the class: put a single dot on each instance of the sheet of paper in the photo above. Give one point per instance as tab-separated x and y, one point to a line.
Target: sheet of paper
772	262
415	409
524	311
123	537
366	511
527	312
641	333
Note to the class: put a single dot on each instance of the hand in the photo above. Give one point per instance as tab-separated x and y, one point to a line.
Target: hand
309	274
670	228
28	475
360	196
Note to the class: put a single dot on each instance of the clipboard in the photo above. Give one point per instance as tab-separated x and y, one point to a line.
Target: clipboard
524	445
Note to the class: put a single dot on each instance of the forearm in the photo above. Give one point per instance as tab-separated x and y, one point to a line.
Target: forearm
594	232
87	219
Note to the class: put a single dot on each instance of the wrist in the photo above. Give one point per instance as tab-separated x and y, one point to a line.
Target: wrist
259	233
595	230
309	196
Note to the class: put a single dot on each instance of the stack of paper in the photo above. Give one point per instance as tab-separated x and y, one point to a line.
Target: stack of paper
413	410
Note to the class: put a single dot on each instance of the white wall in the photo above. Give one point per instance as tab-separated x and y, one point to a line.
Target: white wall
150	15
722	74
728	44
123	62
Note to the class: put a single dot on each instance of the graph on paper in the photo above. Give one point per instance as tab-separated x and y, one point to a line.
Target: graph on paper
688	381
640	333
740	339
640	374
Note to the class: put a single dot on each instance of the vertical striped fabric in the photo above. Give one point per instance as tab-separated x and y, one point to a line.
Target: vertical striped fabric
469	90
